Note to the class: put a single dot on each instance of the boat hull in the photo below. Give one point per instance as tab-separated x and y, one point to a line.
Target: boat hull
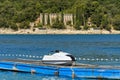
58	62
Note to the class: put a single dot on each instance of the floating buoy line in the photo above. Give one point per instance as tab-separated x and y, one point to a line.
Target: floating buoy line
97	59
77	58
20	55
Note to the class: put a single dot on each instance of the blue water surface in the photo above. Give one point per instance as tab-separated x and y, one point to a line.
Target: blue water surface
88	49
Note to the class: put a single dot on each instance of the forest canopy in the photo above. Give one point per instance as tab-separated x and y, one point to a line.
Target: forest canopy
105	14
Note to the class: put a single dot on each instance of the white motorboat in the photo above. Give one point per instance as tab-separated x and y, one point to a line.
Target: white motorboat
59	58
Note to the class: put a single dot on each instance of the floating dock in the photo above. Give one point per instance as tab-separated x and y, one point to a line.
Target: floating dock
75	71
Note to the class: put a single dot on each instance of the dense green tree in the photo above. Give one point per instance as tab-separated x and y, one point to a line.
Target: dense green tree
73	18
116	22
103	13
77	25
58	24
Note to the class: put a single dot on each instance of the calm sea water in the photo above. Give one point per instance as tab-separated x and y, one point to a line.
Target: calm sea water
88	49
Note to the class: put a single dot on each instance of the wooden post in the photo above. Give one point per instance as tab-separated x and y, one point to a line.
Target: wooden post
73	75
56	73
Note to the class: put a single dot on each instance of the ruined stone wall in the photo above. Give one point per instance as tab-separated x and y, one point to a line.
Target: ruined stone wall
53	16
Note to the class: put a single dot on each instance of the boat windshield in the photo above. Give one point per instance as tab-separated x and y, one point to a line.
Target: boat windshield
73	59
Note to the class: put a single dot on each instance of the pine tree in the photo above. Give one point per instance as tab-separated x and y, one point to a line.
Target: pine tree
48	19
73	18
43	19
62	17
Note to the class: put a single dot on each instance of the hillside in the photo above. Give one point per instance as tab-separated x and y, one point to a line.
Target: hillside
102	14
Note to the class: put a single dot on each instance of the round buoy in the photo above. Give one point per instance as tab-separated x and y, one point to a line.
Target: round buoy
88	59
33	56
79	58
97	59
116	59
37	56
26	55
40	56
23	55
19	55
30	56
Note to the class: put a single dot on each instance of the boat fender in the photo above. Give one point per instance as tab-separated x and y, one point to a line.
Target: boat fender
14	67
32	71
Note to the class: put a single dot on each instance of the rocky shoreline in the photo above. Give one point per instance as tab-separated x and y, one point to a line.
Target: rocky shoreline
56	31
